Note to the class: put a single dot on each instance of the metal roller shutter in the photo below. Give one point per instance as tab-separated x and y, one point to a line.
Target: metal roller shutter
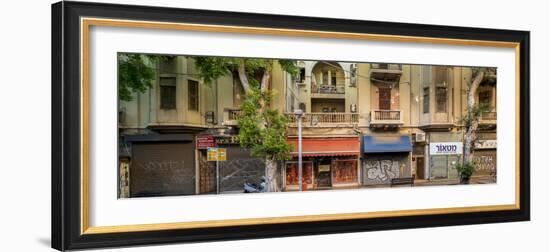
162	169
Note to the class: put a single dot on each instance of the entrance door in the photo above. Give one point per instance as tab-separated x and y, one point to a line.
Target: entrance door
420	174
384	98
323	175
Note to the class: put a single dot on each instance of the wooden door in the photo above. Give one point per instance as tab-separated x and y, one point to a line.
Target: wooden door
384	98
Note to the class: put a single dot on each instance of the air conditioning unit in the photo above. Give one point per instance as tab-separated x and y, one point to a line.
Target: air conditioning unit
210	117
420	137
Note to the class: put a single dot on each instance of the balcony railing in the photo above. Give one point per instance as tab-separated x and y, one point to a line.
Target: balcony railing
385	66
230	116
488	117
328	89
308	120
325	119
382	117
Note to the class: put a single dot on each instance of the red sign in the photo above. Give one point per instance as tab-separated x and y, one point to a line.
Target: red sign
205	142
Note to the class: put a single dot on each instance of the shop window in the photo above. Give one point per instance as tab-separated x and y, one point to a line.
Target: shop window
168	92
292	174
441	99
426	100
193	95
344	171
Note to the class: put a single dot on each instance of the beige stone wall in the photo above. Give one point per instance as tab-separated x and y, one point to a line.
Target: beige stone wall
144	109
364	92
407	96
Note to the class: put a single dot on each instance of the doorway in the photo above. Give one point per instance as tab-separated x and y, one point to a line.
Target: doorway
323	173
420	173
384	98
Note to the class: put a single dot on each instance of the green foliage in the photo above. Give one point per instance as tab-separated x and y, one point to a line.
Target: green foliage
212	68
263	130
289	66
135	73
473	113
466	170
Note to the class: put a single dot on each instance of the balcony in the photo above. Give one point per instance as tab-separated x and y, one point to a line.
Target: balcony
328	91
325	119
230	116
488	118
386	118
385	72
385	66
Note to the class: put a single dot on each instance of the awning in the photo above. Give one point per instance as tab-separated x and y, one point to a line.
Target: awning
340	146
379	144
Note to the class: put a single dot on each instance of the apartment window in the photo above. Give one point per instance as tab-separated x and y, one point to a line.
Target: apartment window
193	95
168	92
353	75
301	76
441	75
485	97
426	100
441	99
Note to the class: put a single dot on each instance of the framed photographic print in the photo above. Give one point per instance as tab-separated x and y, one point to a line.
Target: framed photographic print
181	125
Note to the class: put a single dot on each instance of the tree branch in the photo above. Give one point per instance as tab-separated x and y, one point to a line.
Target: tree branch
242	75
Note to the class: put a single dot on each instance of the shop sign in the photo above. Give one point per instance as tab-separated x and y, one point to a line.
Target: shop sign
227	140
486	144
446	148
216	154
205	142
222	154
324	168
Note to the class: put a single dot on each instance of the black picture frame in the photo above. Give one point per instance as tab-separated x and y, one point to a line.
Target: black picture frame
66	126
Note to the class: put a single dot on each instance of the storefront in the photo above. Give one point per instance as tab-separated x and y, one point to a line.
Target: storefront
485	155
445	152
239	166
160	165
385	158
326	162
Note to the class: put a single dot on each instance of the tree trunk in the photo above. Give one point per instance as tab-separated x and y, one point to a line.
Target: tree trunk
242	76
470	135
271	175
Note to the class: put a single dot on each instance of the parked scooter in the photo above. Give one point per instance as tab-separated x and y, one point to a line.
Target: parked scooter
253	188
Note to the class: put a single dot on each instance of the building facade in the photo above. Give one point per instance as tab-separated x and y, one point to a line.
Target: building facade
363	125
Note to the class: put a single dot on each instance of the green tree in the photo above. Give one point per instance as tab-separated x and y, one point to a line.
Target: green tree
474	110
261	128
136	73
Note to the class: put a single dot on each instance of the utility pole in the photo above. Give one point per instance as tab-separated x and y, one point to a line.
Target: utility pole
299	113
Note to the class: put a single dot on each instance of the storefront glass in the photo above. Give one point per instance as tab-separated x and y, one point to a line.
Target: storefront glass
292	174
345	171
445	152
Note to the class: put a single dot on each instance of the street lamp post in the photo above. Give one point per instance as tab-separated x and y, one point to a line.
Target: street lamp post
299	113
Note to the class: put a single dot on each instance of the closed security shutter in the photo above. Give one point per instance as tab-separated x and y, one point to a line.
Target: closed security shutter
238	168
162	169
